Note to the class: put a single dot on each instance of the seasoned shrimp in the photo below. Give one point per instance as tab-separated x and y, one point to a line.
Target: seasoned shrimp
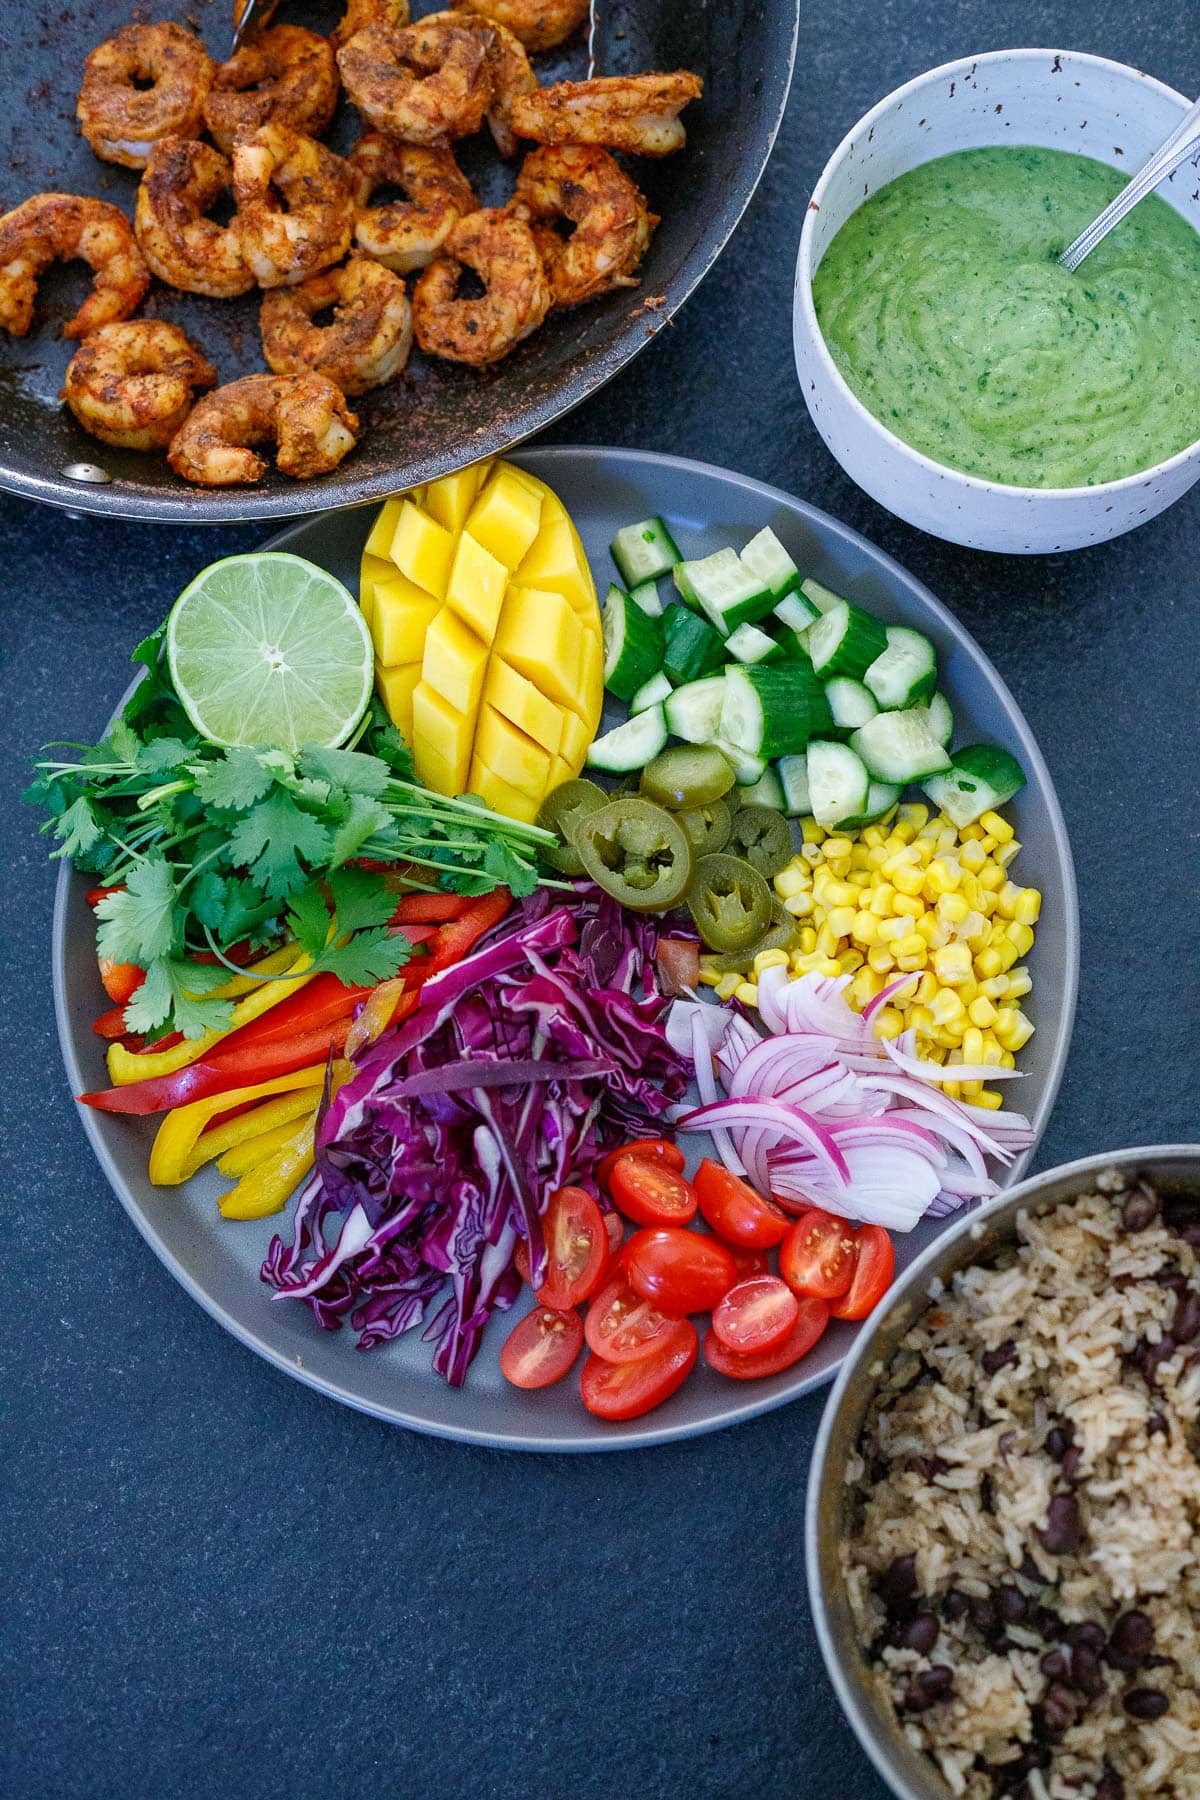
407	234
306	415
182	247
367	340
284	76
361	13
511	71
612	222
623	112
50	227
132	384
423	83
317	187
146	83
500	248
540	24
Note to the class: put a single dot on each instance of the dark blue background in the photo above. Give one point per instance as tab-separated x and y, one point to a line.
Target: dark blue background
219	1584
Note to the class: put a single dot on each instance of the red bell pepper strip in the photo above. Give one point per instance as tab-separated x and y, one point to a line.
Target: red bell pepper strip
111	1024
220	1071
459	935
434	909
96	895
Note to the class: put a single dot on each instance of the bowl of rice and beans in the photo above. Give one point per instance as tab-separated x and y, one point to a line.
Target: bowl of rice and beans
1004	1504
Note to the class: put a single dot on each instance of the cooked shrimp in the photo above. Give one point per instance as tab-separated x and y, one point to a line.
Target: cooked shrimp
501	250
511	71
283	248
407	234
51	227
284	76
623	112
123	120
612	222
132	384
540	24
182	247
361	13
366	342
424	84
306	415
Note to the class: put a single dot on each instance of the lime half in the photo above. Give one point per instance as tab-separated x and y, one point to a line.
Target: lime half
268	649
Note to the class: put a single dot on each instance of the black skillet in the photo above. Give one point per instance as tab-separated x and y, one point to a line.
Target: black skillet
437	417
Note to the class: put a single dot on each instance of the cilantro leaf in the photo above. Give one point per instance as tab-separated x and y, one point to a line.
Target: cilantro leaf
137	924
508	869
149	651
360	899
163	753
173	990
351	770
234	780
78	829
308	919
118	745
363	819
270	840
368	957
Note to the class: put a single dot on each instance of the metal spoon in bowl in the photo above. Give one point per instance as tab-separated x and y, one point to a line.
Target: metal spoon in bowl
1184	142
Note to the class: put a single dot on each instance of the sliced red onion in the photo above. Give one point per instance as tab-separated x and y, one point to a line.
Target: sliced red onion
706	1084
713	1020
881	999
772	987
787	1121
907	1087
889	1186
939	1072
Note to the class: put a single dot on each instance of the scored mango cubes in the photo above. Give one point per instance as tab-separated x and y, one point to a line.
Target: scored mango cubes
489	656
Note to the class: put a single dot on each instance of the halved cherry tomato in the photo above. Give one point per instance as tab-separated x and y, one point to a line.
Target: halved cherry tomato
621	1326
817	1255
756	1314
541	1347
651	1193
678	1271
576	1249
614	1224
811	1320
748	1263
875	1262
735	1211
652	1149
626	1390
120	980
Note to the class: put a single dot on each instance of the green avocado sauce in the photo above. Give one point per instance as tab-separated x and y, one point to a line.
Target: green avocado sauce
945	310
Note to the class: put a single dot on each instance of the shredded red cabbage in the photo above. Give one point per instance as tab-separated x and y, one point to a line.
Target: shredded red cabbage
422	1178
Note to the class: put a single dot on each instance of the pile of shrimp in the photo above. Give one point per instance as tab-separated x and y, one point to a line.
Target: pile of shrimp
308	227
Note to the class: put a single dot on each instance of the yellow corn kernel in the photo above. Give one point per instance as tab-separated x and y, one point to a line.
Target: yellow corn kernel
988	963
921	1020
874	837
881	899
1028	909
904	878
1007	898
728	986
828	965
1008	853
914	814
838	848
859	878
932	930
989	1098
708	975
946	1008
1018	984
1016	1034
970	832
891	930
993	1055
770	959
864	929
997	827
808	940
907	906
972	856
1007	1060
840	893
876	856
942	877
888	1022
995	987
800	906
841	920
795	879
912	945
953	1089
881	959
901	833
811	832
747	993
982	1012
1021	936
971	1089
991	876
972	1045
924	990
1007	951
952	964
952	908
863	988
858	857
851	961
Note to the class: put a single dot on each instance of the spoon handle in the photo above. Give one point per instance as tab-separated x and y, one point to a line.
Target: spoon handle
1183	143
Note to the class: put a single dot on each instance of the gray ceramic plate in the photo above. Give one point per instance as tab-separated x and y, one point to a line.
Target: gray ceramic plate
218	1263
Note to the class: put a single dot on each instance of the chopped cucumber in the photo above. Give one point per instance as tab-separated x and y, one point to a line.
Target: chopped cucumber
773	711
725	590
882	796
837	782
819	597
631	745
766	791
644	551
980	778
633	645
651	693
899	746
766	558
906	672
844	641
646	595
750	645
941	719
793	777
691	647
797	612
850	703
746	767
693	712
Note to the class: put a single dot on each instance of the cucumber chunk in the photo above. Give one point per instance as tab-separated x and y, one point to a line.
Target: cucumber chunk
837	782
633	645
773	711
691	648
941	719
693	712
899	746
651	693
844	641
882	796
644	551
850	703
979	779
750	645
766	791
766	558
906	672
793	778
820	598
646	595
631	745
725	590
746	767
796	612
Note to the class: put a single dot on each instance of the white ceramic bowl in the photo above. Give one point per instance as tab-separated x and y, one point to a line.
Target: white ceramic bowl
1057	100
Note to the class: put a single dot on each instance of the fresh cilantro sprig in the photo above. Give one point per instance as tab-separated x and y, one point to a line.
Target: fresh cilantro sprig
207	849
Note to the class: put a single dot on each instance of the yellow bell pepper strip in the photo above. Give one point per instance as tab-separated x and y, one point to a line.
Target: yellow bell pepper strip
265	1188
180	1131
231	1133
377	1013
243	1157
127	1066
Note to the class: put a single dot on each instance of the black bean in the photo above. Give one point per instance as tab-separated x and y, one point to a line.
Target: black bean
1071	1462
1010	1603
992	1361
1086	1673
1056	1711
1059	1440
1146	1703
987	1493
1185	1326
927	1687
1169	1276
1087	1635
921	1633
1155	1423
1130	1641
1140	1209
1110	1785
1147	1356
1029	1569
898	1583
929	1466
982	1609
1063	1529
1055	1666
955	1606
1046	1620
